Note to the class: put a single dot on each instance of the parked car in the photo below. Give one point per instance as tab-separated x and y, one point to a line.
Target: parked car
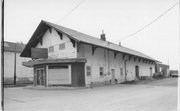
174	75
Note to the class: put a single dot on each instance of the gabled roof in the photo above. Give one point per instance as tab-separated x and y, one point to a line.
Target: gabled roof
79	37
13	47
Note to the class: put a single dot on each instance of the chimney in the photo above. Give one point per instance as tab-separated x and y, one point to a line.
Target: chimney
119	43
103	36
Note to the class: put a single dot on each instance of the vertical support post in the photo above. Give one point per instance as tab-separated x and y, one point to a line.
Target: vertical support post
78	46
15	66
47	74
34	79
125	70
69	74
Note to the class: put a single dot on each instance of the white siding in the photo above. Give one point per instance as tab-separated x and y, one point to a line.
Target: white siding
21	71
8	64
53	39
144	69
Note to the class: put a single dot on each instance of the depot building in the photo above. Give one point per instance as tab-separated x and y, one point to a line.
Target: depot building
62	56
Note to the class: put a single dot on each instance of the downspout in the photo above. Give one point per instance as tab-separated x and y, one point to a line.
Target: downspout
108	64
125	69
15	66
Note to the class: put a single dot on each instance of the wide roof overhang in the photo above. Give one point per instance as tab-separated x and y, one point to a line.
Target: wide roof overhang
52	61
37	36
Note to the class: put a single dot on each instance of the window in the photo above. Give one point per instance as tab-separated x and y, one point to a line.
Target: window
88	70
51	49
61	46
121	71
101	71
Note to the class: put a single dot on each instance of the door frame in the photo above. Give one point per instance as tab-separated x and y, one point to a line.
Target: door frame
41	74
137	71
151	74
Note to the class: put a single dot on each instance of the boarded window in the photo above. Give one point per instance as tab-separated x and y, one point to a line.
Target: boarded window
101	71
62	46
88	70
51	49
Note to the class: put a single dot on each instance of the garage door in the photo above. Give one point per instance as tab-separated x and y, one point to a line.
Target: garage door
58	75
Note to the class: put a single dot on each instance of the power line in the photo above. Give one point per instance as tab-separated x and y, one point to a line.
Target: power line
71	11
126	37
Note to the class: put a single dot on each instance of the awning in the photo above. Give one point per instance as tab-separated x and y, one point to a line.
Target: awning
52	61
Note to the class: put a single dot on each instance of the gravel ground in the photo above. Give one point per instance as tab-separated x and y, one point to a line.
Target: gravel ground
158	95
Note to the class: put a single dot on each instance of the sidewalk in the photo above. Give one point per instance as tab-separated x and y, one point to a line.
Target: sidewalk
53	87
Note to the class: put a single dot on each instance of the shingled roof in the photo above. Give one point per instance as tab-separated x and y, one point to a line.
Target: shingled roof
13	47
79	37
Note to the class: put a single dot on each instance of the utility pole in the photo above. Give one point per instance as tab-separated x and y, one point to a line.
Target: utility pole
108	64
2	57
15	65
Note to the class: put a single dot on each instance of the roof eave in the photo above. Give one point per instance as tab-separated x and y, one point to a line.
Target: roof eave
34	38
121	52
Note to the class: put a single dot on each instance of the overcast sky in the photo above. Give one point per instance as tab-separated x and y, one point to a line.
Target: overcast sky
118	19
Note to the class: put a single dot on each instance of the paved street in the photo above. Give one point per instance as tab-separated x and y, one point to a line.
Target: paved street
158	95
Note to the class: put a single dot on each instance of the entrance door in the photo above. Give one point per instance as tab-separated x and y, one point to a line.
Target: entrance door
137	71
121	74
150	71
40	76
113	75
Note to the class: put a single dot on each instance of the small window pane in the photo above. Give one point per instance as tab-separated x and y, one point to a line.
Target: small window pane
101	71
88	73
51	49
88	70
121	70
61	46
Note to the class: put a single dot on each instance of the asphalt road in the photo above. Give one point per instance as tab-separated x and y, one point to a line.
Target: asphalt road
158	95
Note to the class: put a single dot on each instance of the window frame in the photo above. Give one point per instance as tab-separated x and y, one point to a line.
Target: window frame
88	71
60	46
121	71
101	71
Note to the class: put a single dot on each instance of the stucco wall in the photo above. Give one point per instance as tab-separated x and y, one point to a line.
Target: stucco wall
144	69
53	39
21	71
100	59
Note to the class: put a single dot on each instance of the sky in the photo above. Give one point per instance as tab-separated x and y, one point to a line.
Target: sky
118	19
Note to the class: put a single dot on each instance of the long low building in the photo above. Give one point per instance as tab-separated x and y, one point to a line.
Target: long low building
13	68
62	56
